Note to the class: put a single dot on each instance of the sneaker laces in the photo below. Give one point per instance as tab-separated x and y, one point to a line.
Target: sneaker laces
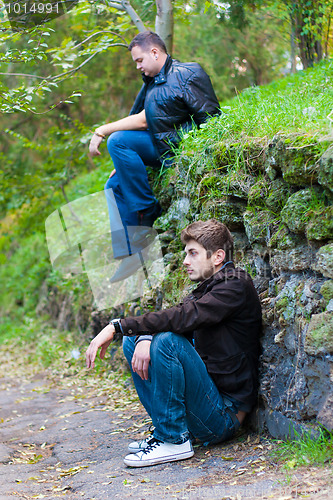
152	443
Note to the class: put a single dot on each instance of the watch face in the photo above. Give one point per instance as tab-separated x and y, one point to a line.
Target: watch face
116	325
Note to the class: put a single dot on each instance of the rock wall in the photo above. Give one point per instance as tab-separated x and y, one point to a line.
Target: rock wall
276	198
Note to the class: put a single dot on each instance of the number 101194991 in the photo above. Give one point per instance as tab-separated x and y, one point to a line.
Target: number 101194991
31	7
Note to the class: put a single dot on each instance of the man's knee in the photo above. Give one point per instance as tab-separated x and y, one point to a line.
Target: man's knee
162	342
116	139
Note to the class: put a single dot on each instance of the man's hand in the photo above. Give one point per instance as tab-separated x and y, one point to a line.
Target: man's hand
103	340
141	359
94	145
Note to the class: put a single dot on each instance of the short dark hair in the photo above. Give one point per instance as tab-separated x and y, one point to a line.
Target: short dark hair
212	235
146	40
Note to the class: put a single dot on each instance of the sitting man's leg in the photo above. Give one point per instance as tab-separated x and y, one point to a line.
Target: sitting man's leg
143	387
186	403
131	200
131	151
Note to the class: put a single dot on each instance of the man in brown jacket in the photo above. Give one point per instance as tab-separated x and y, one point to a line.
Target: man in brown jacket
194	365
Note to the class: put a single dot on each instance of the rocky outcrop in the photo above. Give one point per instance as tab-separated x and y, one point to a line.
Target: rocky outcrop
277	200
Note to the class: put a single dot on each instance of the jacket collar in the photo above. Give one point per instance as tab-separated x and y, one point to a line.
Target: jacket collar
161	77
218	276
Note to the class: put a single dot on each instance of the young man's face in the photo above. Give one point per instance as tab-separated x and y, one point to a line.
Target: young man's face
148	62
199	266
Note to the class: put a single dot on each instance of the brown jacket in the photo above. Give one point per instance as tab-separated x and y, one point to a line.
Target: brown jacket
223	317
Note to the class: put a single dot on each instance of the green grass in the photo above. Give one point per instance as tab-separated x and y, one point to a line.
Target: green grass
306	450
298	104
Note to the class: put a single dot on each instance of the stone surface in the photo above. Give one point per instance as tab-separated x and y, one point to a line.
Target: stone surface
325	175
327	291
295	212
227	211
324	261
325	416
258	225
319	336
320	227
281	427
296	259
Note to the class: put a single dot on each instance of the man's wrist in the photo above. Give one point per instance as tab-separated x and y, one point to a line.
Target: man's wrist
99	134
118	331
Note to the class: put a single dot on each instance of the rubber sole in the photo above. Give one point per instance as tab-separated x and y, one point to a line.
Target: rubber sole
155	461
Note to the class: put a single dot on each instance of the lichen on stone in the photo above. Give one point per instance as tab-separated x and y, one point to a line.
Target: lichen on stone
324	261
319	337
327	291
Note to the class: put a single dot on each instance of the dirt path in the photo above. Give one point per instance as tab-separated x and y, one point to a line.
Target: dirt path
62	438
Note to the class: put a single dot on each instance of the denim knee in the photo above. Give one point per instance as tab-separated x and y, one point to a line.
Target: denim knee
164	341
114	140
128	348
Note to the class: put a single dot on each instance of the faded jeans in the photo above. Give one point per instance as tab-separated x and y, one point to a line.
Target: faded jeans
180	396
131	151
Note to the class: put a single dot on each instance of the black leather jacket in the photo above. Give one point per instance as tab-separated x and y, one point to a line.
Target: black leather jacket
180	95
223	316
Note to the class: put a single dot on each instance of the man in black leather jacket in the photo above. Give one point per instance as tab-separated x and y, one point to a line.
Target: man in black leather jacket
174	97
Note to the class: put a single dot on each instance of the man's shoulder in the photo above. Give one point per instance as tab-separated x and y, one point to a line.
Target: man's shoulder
186	69
232	276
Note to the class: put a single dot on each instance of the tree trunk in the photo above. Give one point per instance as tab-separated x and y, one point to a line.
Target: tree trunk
164	22
308	26
292	46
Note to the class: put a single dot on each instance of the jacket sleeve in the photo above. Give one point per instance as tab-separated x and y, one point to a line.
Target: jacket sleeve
221	302
139	102
199	97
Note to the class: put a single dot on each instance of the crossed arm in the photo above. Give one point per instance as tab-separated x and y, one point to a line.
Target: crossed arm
131	122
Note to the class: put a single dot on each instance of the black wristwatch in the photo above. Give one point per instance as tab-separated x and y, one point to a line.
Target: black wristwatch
117	327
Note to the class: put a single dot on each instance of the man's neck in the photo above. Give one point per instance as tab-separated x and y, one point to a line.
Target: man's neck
162	59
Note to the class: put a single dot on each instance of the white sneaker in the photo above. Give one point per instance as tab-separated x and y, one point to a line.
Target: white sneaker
136	446
158	452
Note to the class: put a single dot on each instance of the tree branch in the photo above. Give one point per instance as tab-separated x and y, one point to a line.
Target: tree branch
133	15
127	7
73	70
25	74
116	5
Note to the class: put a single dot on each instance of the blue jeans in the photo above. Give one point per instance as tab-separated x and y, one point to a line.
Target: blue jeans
180	396
131	152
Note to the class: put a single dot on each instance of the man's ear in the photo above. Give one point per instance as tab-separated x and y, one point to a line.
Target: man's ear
154	52
219	257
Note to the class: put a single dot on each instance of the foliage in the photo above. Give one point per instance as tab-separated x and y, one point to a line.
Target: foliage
44	161
306	450
298	103
310	22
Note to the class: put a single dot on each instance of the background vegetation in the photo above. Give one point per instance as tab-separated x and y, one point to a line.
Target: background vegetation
49	107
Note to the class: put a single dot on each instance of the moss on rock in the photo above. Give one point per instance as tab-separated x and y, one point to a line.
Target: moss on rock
258	193
325	174
324	261
227	211
278	195
299	209
319	337
320	226
327	291
258	225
